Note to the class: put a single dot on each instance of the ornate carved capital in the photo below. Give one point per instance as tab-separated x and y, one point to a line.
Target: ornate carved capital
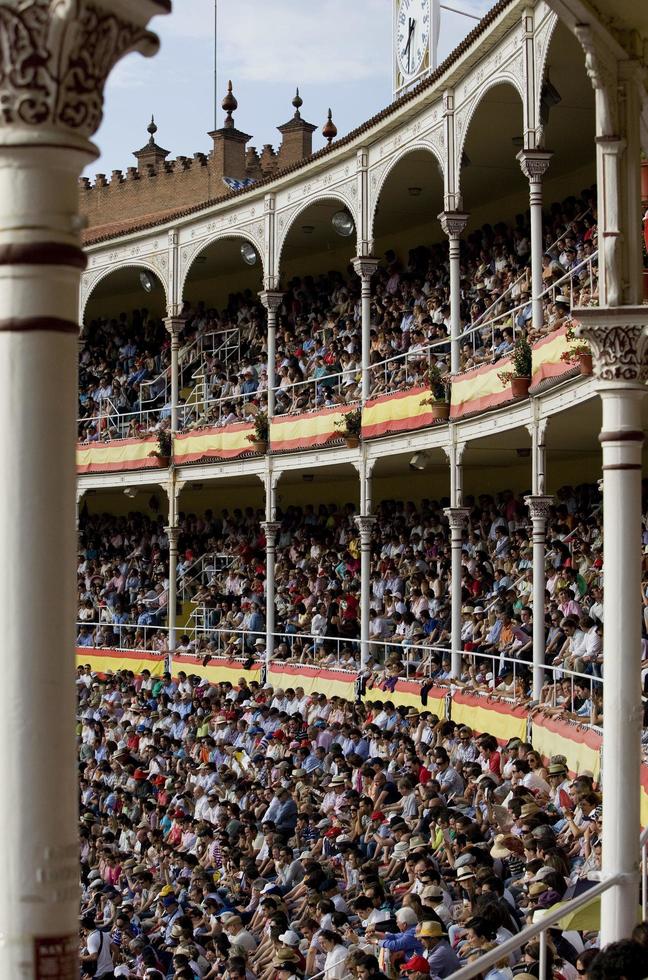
457	517
172	531
534	163
618	337
271	299
600	65
365	266
57	55
539	506
365	525
174	324
453	222
271	530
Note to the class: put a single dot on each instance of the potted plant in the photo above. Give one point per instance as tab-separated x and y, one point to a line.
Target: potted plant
351	426
165	447
261	434
520	376
439	397
579	353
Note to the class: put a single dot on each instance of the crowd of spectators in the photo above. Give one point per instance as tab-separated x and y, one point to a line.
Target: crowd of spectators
318	362
247	833
123	590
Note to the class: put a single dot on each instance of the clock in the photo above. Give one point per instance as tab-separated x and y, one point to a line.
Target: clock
416	35
412	35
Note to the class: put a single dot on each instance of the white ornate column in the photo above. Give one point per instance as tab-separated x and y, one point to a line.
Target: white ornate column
534	164
174	325
55	60
457	517
618	337
365	525
365	266
271	529
453	224
272	300
539	507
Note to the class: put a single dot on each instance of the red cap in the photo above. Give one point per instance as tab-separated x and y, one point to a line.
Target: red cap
416	964
377	815
139	774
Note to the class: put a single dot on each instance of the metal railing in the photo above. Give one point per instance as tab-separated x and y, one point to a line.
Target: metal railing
122	425
415	362
304	396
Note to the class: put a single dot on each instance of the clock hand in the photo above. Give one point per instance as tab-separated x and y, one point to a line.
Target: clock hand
412	25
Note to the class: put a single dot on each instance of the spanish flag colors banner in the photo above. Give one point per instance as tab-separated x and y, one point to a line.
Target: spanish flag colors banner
227	443
400	412
122	454
479	389
546	357
288	432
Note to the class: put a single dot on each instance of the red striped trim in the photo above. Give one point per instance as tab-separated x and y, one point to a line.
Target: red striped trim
407	393
126	464
304	442
211	454
483	403
501	365
406	424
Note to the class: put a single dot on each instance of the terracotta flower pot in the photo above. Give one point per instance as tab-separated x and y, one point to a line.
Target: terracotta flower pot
585	363
260	446
162	461
352	441
440	410
520	387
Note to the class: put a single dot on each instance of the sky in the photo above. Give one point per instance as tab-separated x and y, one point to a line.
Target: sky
337	51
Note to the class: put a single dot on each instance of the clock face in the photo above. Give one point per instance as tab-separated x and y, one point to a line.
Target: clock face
412	35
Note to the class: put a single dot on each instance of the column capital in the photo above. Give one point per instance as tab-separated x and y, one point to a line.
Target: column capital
365	524
365	266
174	324
457	517
271	529
539	506
453	222
618	336
59	61
534	163
271	299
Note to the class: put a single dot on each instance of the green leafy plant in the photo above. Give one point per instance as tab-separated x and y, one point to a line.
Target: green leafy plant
165	444
520	362
351	424
261	428
439	386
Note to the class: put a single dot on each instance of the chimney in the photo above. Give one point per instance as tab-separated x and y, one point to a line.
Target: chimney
228	155
150	155
297	137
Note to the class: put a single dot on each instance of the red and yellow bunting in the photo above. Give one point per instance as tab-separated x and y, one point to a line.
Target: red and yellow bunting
227	443
400	412
305	431
546	358
479	389
122	454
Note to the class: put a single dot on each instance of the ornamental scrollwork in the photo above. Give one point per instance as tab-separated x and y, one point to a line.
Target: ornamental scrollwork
619	349
56	57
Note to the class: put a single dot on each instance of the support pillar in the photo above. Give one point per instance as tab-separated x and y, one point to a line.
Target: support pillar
618	337
272	301
172	534
271	529
539	507
365	525
457	517
453	224
174	325
49	115
365	267
534	164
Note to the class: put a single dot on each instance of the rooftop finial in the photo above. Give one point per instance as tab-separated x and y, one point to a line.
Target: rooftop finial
230	105
152	129
329	129
298	103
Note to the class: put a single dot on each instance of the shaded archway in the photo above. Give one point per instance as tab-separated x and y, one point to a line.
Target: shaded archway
309	244
224	268
407	204
125	289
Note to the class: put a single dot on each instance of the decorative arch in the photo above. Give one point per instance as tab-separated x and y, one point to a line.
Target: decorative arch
90	281
543	41
381	177
287	219
190	253
466	114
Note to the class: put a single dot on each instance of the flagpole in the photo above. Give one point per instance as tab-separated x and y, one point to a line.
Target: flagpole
215	64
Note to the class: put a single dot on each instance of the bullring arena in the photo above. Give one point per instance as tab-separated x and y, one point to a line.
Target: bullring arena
360	534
